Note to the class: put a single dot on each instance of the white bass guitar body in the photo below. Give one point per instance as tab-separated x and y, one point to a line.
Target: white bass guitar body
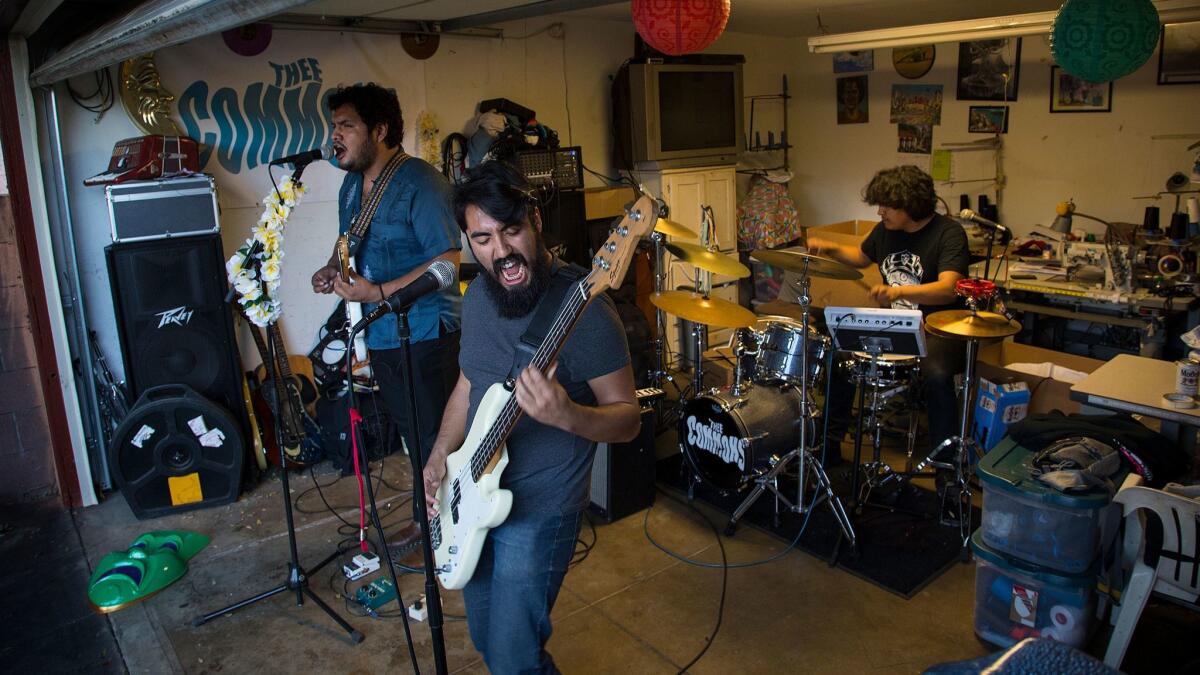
467	507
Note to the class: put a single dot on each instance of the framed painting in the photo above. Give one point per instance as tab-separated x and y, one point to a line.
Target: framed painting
1179	53
982	119
1069	94
988	70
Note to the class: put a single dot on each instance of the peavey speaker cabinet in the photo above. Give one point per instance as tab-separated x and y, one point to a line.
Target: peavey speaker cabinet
173	323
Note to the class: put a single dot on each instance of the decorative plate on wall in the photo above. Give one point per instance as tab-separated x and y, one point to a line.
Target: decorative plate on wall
913	62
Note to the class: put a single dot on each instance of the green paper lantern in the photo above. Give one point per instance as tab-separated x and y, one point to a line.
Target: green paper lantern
1102	40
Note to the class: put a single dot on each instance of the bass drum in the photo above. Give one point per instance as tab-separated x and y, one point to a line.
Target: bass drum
729	440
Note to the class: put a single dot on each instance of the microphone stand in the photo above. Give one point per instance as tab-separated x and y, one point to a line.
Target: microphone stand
433	600
360	449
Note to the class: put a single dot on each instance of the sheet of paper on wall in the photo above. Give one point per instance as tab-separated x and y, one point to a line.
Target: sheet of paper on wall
940	165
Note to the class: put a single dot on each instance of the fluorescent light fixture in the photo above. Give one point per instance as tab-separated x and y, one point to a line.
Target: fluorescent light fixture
1036	23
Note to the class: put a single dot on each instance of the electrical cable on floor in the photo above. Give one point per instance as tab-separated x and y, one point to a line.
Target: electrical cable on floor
724	565
583	548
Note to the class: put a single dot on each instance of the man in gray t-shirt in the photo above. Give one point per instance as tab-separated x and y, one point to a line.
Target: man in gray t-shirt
586	396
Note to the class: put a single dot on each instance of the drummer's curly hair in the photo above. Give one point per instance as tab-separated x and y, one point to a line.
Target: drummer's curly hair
904	187
375	105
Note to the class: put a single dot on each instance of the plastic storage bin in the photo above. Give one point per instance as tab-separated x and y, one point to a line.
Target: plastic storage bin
1015	600
1032	521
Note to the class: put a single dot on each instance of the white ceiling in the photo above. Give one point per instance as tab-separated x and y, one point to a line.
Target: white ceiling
766	17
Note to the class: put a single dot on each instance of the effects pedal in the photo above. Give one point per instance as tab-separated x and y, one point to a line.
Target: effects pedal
360	566
376	594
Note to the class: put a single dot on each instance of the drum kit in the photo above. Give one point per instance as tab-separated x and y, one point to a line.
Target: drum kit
745	436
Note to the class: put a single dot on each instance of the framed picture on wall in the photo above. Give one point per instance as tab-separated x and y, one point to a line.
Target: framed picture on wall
989	119
988	69
861	61
1179	53
1071	94
852	105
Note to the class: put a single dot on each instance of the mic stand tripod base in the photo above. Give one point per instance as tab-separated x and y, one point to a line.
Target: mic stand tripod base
297	579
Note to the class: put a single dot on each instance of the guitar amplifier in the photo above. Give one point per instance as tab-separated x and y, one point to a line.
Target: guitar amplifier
623	473
158	209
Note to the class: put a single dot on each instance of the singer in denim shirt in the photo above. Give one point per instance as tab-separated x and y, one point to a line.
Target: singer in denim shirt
412	227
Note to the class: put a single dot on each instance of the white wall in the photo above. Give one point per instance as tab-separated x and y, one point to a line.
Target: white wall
1102	160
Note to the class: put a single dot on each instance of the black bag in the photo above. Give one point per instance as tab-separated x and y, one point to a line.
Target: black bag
1146	452
376	431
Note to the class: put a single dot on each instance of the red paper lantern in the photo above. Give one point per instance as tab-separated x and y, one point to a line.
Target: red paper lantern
680	26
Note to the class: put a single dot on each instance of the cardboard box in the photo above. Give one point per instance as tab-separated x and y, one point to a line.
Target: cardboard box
1045	394
1000	403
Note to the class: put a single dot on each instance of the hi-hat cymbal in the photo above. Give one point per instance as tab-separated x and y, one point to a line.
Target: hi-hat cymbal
700	309
815	265
674	229
717	263
963	324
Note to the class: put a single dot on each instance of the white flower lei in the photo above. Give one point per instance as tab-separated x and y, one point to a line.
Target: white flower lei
247	274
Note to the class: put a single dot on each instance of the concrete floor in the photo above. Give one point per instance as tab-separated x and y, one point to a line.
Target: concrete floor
627	607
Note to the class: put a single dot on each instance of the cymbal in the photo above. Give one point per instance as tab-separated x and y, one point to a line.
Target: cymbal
963	324
717	263
817	266
674	229
790	310
700	309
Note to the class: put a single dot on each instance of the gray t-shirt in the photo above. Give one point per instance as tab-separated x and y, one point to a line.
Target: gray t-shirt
549	469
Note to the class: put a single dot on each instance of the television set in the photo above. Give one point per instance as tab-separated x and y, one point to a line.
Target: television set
670	115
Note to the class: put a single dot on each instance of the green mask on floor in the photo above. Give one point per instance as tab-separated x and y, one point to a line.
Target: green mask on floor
152	562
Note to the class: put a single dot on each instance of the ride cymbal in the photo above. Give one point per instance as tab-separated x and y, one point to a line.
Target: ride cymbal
717	263
963	324
700	309
814	265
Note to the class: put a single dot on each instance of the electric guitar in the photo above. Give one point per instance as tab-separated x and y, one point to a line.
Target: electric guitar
300	436
353	309
470	501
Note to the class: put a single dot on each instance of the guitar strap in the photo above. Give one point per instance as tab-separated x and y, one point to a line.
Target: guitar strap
362	221
563	277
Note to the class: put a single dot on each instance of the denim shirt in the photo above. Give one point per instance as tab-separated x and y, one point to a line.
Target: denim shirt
413	224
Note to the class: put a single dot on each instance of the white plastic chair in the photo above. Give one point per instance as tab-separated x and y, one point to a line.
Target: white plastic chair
1177	573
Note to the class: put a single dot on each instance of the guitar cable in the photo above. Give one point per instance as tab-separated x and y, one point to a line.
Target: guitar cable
724	565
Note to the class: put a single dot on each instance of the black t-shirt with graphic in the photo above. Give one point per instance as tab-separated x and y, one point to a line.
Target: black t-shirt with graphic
906	259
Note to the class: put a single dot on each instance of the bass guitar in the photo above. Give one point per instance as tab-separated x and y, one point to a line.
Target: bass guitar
470	501
300	436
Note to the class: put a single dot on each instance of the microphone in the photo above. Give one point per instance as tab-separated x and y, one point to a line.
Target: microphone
307	157
970	215
436	277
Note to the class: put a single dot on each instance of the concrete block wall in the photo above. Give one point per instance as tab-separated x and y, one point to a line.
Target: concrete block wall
26	459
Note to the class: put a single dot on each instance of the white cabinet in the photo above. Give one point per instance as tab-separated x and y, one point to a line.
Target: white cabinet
685	191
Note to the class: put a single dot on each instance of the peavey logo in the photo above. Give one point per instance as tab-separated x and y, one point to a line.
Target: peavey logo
179	316
709	437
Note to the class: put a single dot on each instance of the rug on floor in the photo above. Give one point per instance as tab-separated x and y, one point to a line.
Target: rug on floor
897	551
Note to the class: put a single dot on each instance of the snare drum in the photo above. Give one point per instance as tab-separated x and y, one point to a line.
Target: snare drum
729	440
779	358
892	369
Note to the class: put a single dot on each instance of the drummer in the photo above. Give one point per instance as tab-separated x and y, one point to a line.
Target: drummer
920	254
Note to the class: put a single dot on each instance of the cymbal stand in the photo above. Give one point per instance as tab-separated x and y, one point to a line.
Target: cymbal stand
803	454
660	372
